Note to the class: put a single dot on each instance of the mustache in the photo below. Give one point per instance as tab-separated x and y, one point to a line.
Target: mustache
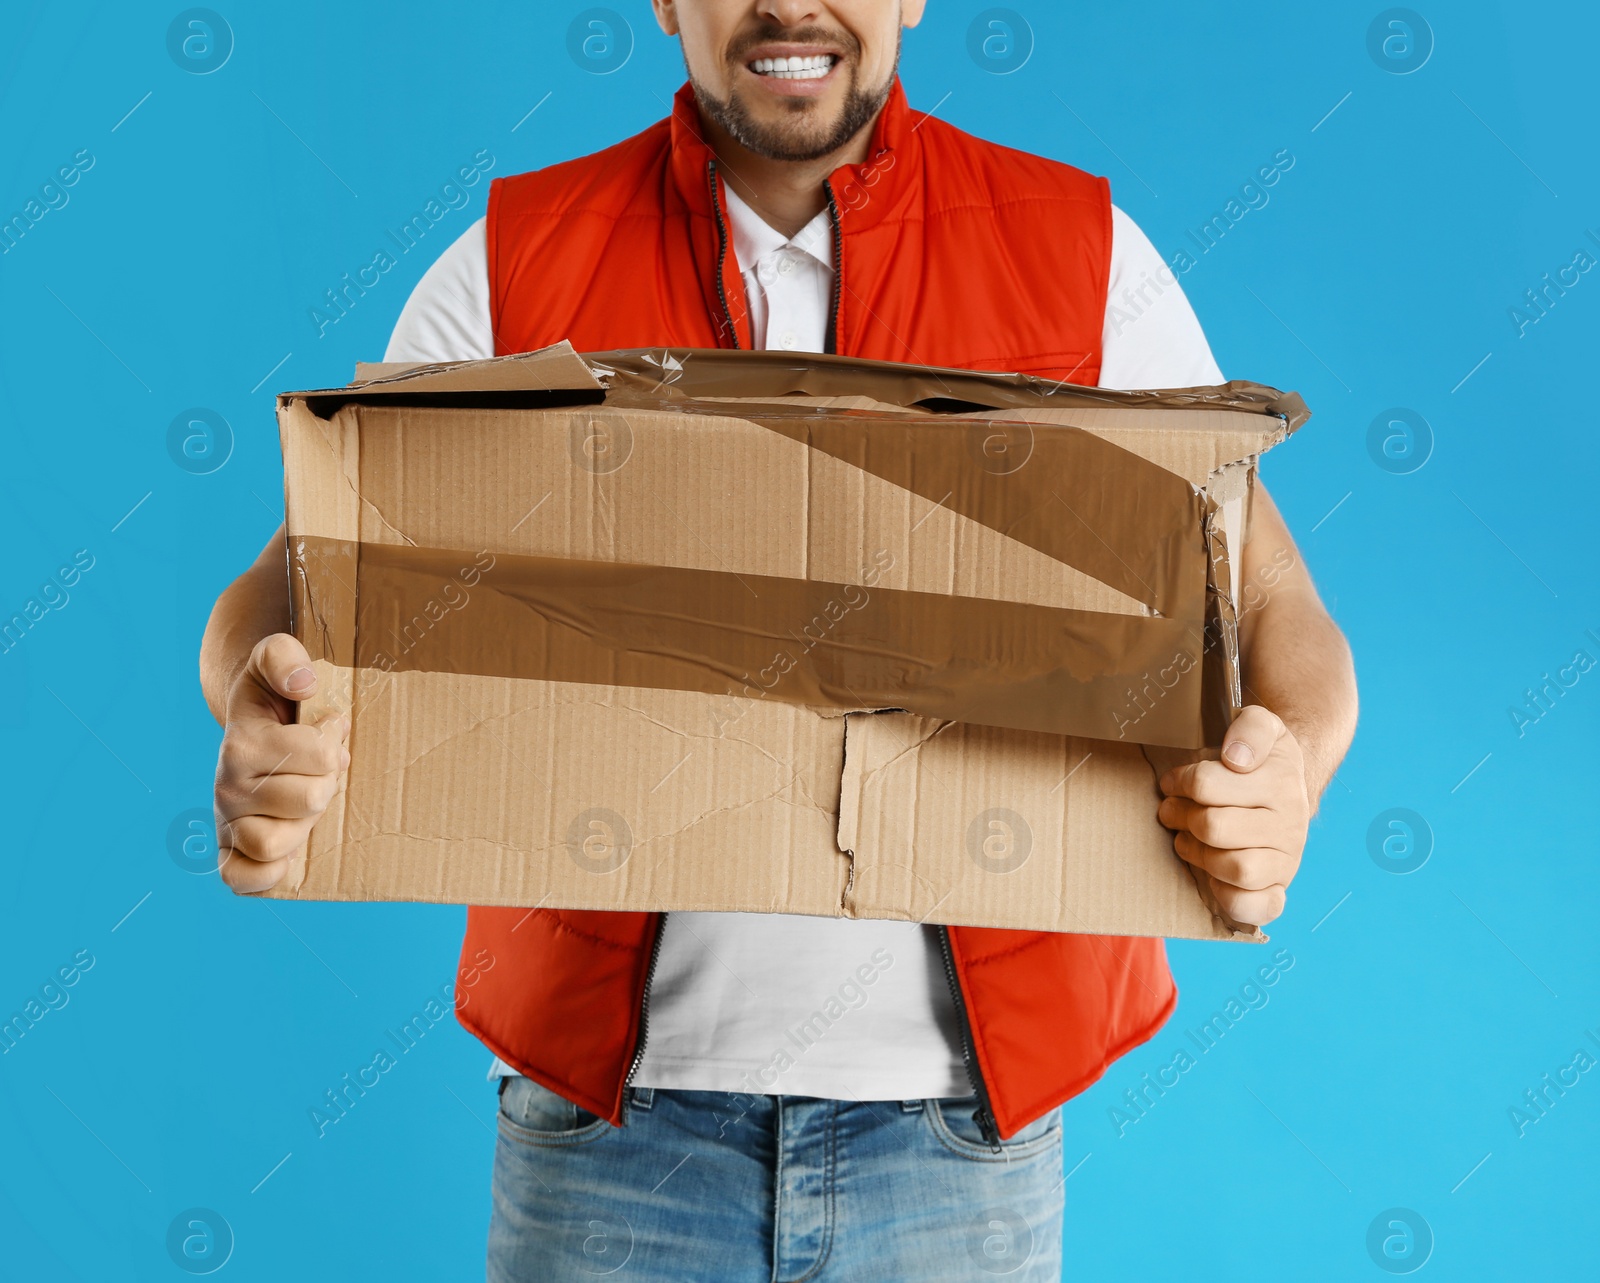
770	33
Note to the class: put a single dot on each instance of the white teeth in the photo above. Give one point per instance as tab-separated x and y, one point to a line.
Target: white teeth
811	67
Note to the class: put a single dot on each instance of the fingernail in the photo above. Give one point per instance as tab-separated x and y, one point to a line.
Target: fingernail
344	758
1239	753
299	680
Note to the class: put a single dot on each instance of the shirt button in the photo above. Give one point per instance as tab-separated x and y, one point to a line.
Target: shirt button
788	340
786	264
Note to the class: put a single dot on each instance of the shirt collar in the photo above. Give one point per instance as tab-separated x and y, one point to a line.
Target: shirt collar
754	238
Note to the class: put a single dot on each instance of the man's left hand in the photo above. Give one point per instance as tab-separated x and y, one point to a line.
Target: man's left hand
1242	821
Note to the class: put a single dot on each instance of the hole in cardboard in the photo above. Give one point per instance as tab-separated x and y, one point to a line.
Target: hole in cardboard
950	405
325	407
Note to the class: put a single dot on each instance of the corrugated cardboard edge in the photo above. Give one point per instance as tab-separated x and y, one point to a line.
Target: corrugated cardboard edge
302	436
676	373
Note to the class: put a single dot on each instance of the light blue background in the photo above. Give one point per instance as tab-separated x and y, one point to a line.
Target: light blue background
181	274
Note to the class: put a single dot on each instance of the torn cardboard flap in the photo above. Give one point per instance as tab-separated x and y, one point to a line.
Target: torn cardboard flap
947	819
737	631
552	369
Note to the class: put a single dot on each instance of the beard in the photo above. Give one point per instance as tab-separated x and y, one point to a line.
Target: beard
799	136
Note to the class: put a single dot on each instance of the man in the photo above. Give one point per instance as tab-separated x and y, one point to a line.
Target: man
793	200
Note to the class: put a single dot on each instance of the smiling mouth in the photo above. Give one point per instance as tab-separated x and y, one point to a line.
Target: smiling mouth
811	67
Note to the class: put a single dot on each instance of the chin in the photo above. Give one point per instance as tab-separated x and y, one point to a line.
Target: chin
797	127
781	139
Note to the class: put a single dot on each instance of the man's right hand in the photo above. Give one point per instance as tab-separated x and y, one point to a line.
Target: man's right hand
274	778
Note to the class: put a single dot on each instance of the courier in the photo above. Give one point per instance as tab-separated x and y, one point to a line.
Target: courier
754	584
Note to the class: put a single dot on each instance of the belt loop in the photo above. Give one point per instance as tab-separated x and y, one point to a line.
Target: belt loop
910	1106
644	1097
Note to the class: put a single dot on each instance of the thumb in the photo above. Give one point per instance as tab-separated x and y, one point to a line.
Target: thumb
1251	738
278	675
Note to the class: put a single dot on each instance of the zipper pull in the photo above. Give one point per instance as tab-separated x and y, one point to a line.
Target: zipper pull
988	1127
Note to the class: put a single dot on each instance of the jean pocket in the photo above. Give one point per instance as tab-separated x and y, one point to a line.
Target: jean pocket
535	1115
956	1127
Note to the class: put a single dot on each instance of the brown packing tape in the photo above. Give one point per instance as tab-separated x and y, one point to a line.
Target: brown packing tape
322	597
1222	694
1058	489
1012	477
389	607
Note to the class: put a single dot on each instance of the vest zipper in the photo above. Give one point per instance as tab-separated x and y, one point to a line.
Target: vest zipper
722	248
831	343
644	1014
983	1115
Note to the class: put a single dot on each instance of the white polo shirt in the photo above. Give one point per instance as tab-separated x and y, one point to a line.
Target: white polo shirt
783	1003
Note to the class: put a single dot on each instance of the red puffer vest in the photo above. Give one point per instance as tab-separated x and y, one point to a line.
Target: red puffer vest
949	251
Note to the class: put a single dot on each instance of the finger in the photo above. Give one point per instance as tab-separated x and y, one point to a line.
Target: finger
1214	784
253	748
1251	738
278	674
1233	828
1252	869
279	797
1255	908
264	840
244	876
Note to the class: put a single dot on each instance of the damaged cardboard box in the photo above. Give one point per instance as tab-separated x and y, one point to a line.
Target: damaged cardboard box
752	631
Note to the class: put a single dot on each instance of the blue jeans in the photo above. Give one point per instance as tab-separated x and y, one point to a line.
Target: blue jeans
721	1187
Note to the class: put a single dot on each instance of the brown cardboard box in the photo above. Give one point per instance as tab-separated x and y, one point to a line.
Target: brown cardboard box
762	632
